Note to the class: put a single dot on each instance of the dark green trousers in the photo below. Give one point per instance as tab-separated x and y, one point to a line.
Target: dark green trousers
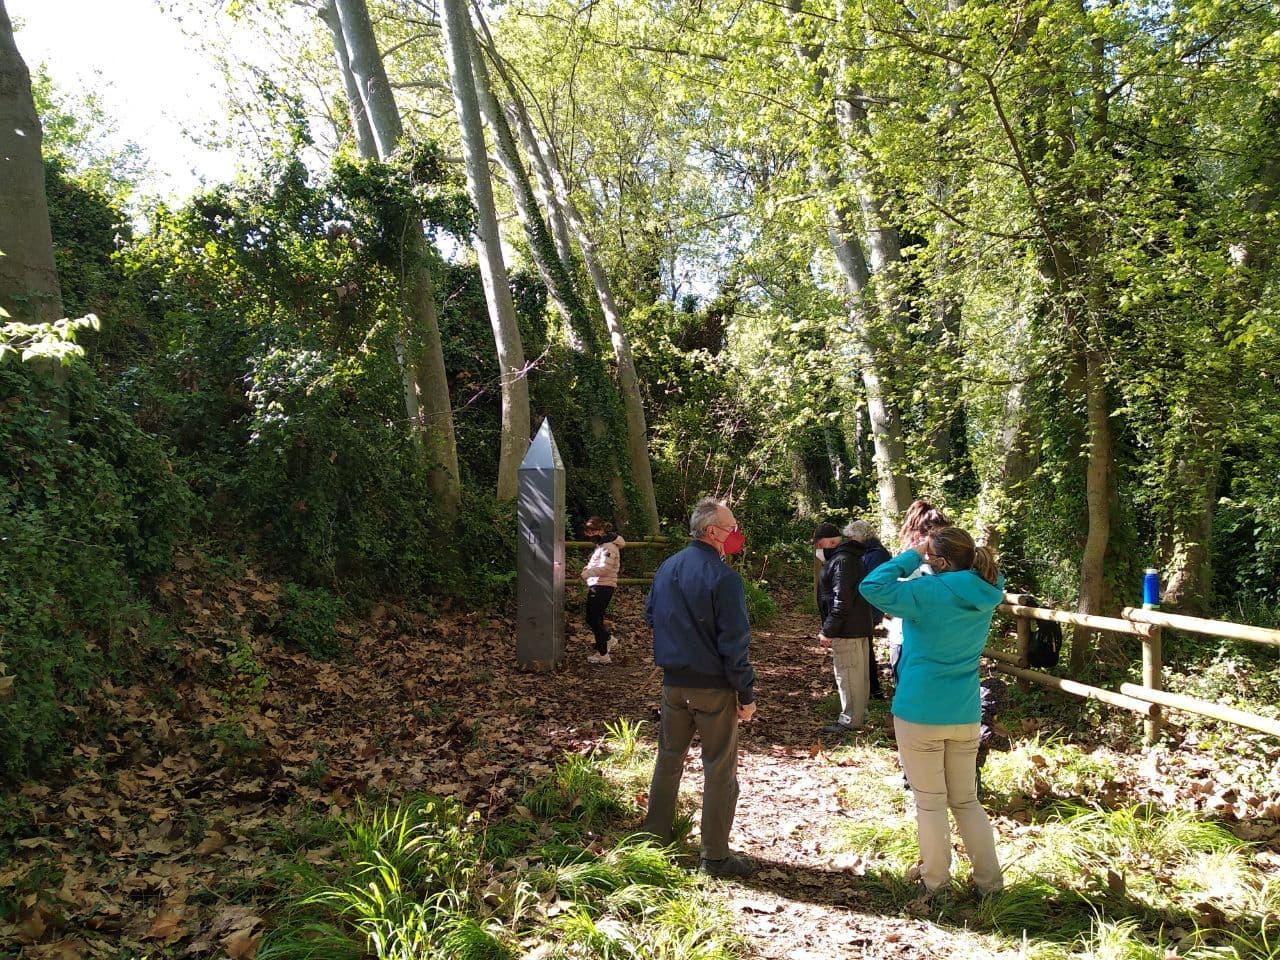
713	715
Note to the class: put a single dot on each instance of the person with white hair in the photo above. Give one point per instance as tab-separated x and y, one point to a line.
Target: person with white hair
848	621
697	610
873	554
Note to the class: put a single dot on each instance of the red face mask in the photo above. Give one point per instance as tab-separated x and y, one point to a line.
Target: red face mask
734	542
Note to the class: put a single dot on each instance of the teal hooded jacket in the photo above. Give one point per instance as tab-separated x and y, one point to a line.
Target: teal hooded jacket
945	622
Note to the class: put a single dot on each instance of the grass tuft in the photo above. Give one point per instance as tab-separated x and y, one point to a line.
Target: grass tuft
426	878
577	791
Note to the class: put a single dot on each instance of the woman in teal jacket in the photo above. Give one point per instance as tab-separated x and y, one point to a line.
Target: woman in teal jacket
936	707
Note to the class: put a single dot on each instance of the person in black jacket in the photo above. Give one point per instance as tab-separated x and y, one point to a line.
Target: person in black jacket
847	624
873	554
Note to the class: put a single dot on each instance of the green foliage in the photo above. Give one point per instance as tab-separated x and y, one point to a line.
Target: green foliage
761	607
89	504
282	350
576	790
622	739
44	341
426	878
309	620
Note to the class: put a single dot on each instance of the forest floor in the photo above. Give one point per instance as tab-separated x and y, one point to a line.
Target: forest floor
166	836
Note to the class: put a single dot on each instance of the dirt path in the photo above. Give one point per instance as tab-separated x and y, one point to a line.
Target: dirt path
808	901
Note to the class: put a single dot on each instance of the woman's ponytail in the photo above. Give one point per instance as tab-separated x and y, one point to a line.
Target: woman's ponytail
984	564
957	548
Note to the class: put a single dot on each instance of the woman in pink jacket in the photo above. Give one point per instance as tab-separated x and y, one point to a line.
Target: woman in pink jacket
601	574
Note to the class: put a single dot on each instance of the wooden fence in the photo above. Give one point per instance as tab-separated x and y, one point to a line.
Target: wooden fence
1148	698
650	543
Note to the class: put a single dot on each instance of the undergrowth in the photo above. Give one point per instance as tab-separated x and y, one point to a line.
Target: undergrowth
1081	881
428	878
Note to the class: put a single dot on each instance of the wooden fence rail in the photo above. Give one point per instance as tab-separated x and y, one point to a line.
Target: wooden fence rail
1148	697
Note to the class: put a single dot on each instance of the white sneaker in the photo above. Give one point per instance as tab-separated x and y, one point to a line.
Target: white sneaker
613	644
599	658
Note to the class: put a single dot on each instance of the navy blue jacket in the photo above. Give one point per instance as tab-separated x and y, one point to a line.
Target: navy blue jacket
697	610
875	555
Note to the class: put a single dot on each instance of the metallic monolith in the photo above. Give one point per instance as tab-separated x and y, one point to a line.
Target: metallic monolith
540	555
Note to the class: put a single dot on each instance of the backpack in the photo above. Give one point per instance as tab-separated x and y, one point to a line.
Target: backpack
1045	642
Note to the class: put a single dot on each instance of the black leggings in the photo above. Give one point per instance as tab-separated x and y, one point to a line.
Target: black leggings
597	603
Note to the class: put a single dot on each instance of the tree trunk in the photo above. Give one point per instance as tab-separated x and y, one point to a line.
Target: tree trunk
562	209
375	119
29	289
546	257
1189	573
1099	473
893	487
807	492
1004	489
1188	543
493	271
892	484
365	143
1000	503
557	274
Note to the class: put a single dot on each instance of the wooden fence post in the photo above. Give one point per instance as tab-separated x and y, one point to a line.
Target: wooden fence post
1152	669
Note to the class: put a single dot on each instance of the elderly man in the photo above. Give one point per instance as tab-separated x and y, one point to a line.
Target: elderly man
873	554
697	610
848	621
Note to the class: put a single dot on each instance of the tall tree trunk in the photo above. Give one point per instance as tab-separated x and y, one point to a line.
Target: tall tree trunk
892	484
1099	480
1187	551
29	289
557	274
551	267
360	127
808	494
1001	501
1001	498
375	118
1086	280
943	404
561	208
493	271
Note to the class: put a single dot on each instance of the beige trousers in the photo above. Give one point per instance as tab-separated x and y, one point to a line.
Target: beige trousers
940	761
851	663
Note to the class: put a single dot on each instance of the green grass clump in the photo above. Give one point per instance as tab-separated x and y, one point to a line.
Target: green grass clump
1049	767
577	791
622	739
897	844
426	878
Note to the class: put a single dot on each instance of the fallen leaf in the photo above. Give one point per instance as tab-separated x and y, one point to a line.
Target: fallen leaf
213	842
166	926
33	925
241	945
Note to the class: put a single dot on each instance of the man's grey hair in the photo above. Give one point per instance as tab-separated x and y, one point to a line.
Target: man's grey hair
858	530
704	515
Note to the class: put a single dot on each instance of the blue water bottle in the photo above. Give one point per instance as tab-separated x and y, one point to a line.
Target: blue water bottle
1150	588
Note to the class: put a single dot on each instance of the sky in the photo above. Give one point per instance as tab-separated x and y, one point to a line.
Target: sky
148	74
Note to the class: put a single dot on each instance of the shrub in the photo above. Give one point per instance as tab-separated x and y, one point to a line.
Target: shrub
89	504
760	605
309	621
